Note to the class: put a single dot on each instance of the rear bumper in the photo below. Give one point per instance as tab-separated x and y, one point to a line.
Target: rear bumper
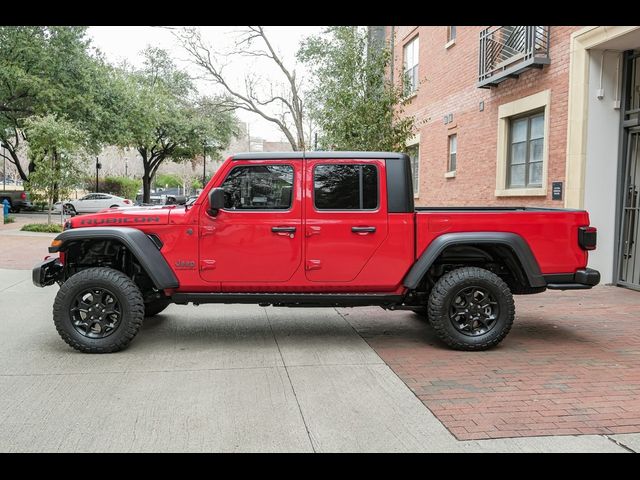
582	279
46	273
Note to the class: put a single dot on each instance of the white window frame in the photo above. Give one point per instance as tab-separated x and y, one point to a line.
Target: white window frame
415	142
537	101
411	60
451	40
449	153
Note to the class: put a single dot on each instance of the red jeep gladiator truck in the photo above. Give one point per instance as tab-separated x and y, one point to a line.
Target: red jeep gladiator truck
312	229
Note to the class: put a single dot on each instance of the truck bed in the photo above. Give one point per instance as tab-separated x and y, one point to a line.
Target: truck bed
551	233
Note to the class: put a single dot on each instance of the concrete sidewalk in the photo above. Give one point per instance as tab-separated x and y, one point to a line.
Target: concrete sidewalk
219	378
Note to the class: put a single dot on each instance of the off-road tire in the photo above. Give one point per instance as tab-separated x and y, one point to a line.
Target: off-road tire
155	307
123	288
443	294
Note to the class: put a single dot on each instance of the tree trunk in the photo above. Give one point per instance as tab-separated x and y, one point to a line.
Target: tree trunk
13	158
146	187
49	211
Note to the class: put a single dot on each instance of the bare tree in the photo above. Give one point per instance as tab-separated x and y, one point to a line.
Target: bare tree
257	96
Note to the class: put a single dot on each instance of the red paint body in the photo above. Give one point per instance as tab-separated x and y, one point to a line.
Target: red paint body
236	251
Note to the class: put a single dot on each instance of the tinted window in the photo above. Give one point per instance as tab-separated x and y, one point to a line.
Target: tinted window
345	187
259	187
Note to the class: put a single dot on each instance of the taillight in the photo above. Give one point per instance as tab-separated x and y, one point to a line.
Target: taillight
128	202
587	237
23	196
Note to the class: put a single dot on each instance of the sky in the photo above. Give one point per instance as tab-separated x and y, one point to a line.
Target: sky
126	42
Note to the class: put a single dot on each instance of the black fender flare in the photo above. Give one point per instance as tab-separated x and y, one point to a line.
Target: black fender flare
439	244
140	245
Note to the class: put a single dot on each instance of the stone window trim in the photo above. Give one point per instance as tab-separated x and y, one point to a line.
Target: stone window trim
531	103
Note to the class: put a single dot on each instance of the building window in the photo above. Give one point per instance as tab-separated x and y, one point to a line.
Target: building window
522	147
414	157
453	152
259	187
411	50
451	33
345	187
526	144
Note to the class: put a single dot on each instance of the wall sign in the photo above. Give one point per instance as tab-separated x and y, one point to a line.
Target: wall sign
556	190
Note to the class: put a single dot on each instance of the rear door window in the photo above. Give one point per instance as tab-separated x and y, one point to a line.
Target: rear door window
345	187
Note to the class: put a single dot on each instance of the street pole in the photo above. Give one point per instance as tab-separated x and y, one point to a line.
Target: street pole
4	168
97	174
204	164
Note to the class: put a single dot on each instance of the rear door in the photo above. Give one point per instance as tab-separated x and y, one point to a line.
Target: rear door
346	217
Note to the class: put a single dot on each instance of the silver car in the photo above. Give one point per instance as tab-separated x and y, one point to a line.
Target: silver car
94	202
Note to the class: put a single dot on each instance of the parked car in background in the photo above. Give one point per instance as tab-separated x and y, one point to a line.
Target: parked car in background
94	202
18	200
161	199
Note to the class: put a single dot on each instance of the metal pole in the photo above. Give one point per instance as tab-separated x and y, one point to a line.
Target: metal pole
4	168
96	174
204	164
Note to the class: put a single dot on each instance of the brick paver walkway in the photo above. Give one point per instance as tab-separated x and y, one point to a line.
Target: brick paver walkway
570	365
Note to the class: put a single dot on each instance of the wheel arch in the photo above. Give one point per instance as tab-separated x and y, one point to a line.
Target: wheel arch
511	245
143	248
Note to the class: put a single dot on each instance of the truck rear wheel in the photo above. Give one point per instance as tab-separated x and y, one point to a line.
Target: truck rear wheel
471	308
98	310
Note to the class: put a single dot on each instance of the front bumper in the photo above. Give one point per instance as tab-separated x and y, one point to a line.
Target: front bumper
583	279
46	273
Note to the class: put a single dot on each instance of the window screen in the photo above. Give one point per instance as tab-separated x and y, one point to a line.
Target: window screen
259	187
345	187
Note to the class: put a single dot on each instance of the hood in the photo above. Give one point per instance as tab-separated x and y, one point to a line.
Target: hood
126	217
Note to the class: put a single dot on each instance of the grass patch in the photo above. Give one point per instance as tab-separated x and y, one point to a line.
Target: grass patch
42	227
9	219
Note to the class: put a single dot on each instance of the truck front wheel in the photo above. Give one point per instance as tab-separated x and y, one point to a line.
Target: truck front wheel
98	310
471	308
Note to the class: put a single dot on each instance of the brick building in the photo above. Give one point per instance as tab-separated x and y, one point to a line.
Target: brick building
529	115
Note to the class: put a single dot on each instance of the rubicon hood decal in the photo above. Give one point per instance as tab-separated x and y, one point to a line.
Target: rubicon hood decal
120	220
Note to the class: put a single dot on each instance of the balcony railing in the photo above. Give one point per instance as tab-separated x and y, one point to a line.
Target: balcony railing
506	51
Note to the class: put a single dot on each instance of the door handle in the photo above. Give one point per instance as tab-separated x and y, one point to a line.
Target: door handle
363	230
284	231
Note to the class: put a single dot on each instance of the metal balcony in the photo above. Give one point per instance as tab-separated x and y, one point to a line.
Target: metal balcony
507	51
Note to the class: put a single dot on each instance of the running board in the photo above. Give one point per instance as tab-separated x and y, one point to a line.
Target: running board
290	299
568	286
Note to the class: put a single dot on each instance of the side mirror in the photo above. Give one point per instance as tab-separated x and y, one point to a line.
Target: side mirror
216	201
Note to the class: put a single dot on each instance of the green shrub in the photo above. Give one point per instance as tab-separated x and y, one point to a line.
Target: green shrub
9	219
168	180
42	227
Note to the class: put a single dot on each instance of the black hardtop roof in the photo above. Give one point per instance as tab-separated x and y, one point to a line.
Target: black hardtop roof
328	155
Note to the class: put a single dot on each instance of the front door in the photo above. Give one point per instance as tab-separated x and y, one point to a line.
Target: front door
346	217
257	238
629	253
630	261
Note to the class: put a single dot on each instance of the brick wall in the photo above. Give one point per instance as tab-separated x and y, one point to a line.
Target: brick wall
448	80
